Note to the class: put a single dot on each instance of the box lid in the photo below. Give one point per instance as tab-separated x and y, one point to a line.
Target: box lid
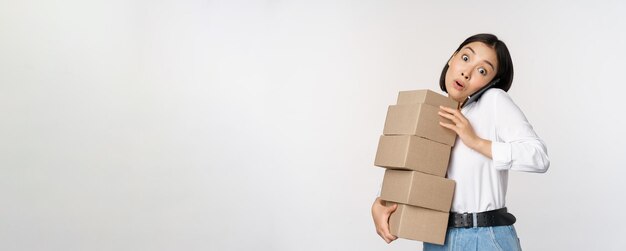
426	97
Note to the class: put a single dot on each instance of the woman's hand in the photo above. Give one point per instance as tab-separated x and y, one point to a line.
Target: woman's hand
381	213
464	129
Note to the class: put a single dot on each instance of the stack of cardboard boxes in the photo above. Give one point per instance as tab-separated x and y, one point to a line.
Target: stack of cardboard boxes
415	149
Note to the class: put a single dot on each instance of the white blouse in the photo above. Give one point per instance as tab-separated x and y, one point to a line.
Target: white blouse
481	183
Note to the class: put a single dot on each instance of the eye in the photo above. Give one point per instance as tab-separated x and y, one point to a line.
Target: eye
482	71
465	57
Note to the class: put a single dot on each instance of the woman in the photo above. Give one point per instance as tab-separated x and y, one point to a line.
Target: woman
494	137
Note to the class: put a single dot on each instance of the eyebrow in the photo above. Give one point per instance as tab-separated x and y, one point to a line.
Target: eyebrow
473	52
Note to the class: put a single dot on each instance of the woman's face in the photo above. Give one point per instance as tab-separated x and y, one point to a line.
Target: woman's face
469	69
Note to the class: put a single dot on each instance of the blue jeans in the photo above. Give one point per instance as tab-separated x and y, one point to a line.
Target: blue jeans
502	238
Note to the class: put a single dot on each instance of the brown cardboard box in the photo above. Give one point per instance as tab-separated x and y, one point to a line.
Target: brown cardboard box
418	189
425	97
413	153
418	119
419	224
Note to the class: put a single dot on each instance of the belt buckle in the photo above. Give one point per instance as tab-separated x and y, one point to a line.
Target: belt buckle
467	220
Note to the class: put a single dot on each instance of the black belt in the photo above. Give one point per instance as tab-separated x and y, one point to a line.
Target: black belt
498	217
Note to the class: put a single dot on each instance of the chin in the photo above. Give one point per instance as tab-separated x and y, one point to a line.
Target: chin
453	93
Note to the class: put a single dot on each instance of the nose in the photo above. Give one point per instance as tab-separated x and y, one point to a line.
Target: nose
466	76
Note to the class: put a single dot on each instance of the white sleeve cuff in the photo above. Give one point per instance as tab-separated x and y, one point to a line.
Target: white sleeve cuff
501	154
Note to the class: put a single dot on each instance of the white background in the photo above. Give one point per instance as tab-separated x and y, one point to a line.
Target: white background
253	125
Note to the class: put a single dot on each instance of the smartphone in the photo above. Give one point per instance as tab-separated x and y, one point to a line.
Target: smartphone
477	94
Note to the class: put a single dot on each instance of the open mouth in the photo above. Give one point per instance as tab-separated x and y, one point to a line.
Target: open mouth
458	84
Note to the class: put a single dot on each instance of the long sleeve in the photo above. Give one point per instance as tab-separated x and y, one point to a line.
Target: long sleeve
517	146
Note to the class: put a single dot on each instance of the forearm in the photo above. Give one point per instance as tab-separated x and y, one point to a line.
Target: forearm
482	146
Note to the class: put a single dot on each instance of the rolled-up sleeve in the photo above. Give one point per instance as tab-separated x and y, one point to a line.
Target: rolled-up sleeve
517	146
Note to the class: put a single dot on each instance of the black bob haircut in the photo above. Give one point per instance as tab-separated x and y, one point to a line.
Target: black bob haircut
505	64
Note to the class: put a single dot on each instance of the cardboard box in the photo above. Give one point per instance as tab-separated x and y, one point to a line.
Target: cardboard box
420	224
425	97
420	120
418	189
413	153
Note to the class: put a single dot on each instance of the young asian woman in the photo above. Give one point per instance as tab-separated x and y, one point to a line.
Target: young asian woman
494	137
